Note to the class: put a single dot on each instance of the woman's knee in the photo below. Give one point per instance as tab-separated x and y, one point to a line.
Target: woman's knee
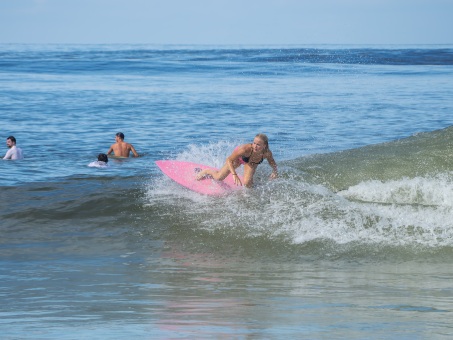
248	183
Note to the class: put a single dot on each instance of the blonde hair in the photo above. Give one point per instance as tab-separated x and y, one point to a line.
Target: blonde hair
264	138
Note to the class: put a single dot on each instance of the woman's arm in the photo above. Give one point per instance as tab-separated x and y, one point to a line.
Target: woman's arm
273	164
232	161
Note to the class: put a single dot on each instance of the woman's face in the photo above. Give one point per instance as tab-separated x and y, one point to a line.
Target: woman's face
258	145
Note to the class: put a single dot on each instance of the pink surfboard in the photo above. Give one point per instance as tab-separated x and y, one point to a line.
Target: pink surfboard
185	173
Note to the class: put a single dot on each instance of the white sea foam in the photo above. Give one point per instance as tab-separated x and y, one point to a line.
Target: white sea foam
212	154
436	191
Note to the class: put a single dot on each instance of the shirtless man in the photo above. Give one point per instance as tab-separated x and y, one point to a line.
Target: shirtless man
14	152
121	148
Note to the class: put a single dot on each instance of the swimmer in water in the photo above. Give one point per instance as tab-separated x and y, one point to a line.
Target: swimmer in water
14	152
102	161
121	148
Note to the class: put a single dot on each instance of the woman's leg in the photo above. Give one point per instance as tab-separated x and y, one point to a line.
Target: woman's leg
218	175
249	171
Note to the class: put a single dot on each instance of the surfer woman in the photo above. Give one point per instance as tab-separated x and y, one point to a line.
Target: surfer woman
248	154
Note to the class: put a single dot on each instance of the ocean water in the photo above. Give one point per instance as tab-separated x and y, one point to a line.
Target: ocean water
353	240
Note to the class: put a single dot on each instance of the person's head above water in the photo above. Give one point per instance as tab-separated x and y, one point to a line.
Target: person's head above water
11	141
103	158
120	135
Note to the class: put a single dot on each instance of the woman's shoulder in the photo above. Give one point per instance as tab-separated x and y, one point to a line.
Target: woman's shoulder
267	153
244	147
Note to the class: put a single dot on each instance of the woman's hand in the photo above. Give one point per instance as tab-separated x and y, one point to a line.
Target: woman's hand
273	175
237	180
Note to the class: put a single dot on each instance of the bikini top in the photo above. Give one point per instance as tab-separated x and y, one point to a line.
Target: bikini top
247	159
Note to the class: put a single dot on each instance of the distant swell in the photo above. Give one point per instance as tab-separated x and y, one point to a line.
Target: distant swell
156	61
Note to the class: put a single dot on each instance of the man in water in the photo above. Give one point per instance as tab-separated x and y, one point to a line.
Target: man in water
121	148
102	161
14	152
